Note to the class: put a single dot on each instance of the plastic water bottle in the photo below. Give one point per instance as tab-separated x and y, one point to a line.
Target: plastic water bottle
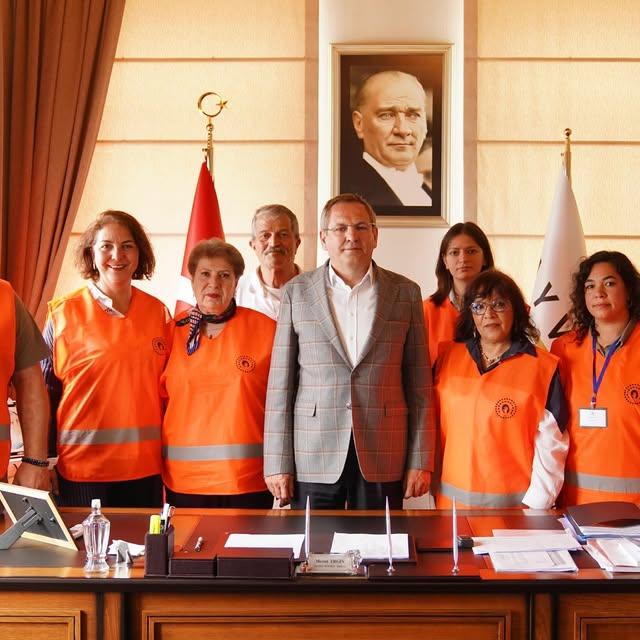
95	530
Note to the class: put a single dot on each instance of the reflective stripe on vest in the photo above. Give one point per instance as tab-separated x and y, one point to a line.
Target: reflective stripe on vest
108	436
5	432
478	499
212	452
602	483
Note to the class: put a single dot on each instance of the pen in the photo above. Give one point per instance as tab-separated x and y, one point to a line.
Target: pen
307	522
164	517
199	543
454	533
390	568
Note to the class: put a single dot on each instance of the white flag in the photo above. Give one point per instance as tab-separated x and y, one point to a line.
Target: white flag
563	248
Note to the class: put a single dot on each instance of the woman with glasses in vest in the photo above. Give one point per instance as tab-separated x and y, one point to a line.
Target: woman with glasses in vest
464	253
600	370
109	342
215	386
501	408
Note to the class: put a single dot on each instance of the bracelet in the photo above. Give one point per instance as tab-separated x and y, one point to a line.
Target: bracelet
35	462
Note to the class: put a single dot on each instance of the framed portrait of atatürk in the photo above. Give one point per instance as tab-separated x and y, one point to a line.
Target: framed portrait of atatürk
390	129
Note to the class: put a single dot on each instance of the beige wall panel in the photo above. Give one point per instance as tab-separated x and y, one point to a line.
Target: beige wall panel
549	28
157	100
536	100
515	187
519	257
156	182
521	182
212	28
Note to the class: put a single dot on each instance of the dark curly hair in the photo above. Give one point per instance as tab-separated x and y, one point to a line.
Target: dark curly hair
582	319
491	282
444	277
84	251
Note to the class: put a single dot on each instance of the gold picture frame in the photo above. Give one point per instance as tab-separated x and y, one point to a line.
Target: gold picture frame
431	66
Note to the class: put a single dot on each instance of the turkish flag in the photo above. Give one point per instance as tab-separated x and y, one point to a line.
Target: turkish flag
205	223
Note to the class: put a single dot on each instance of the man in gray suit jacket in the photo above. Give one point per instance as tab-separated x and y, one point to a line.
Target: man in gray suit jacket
349	412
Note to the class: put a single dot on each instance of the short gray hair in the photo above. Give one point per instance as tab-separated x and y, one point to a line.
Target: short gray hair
346	198
271	211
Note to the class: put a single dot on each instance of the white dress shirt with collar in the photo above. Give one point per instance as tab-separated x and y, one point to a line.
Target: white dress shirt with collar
103	300
353	309
407	184
106	303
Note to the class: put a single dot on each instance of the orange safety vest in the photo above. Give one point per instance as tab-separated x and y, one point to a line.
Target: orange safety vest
603	463
110	413
488	425
439	324
213	429
7	364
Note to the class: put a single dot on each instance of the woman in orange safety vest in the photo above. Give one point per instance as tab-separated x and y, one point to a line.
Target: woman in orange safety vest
600	371
501	409
109	342
215	386
464	253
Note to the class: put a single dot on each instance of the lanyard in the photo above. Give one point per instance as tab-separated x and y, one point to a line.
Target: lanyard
598	381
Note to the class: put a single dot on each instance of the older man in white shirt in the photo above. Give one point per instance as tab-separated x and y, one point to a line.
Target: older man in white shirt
275	237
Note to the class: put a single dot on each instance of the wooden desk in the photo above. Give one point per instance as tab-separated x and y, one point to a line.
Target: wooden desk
44	593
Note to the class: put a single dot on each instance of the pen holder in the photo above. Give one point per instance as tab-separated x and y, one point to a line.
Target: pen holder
158	549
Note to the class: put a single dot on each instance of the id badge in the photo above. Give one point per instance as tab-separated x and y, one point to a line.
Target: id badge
593	418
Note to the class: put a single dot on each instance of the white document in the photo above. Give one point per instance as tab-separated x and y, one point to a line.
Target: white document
548	542
611	532
266	541
372	546
617	555
531	561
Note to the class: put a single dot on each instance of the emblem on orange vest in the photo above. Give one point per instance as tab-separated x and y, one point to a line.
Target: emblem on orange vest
632	393
506	408
159	346
245	363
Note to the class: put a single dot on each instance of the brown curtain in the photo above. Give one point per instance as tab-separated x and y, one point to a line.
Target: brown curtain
56	61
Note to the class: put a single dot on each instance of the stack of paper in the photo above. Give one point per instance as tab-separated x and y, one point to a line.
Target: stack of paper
615	554
527	551
509	544
529	561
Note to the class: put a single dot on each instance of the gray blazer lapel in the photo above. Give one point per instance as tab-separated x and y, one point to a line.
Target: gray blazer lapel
386	297
321	311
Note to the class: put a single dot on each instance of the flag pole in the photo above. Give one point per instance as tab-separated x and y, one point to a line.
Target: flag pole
566	155
205	220
218	107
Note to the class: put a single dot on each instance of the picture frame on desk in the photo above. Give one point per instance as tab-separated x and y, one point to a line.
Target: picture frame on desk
359	125
48	527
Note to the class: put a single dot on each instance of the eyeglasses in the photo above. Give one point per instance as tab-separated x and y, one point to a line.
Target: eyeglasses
358	227
468	251
480	308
